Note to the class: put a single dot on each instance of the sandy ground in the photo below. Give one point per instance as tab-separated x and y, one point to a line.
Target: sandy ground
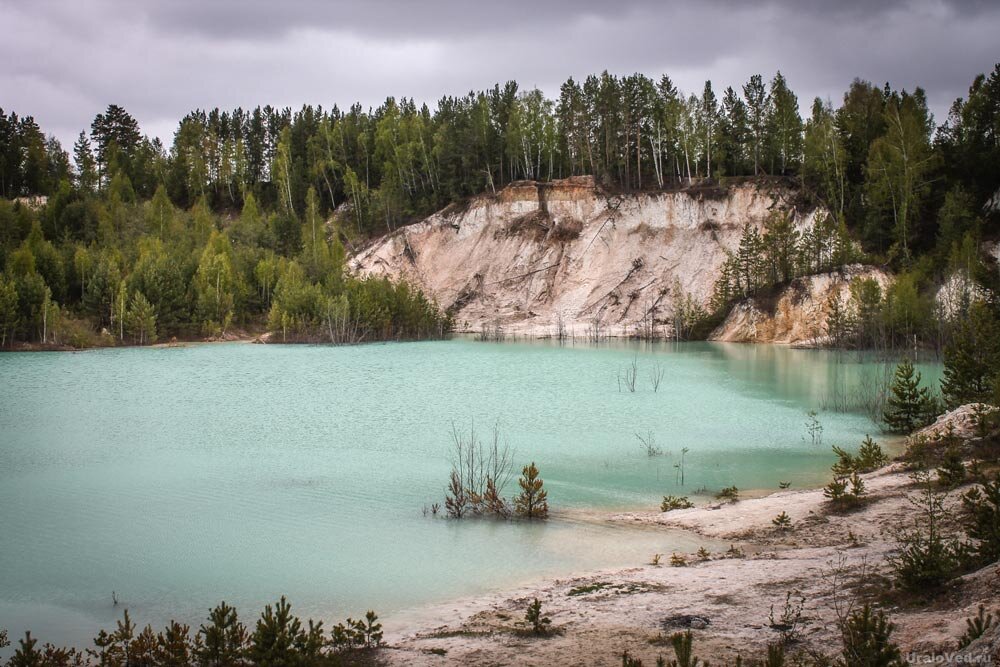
724	599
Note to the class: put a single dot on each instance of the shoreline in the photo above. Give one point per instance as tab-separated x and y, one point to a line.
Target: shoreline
725	599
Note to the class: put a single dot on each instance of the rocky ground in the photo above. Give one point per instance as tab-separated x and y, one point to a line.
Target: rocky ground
827	560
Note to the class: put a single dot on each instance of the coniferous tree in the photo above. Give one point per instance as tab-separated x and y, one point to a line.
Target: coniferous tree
86	169
909	406
277	637
972	359
532	503
222	642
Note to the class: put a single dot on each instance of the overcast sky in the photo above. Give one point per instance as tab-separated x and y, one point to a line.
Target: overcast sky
66	60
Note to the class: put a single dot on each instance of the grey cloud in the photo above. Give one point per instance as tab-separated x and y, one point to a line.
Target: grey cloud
163	58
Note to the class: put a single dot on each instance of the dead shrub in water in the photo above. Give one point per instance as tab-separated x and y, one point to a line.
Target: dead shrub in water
479	473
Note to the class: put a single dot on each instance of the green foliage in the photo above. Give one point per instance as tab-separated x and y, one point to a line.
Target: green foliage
683	650
976	627
532	502
869	457
729	494
675	503
909	406
360	634
972	359
539	622
222	640
782	521
845	492
982	520
279	639
867	640
309	178
951	472
140	320
925	558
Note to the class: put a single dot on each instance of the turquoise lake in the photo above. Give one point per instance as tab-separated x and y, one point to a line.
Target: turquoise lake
179	477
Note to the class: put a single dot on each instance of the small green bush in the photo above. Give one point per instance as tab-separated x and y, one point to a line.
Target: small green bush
981	507
867	640
975	627
729	494
675	503
782	521
539	622
869	457
925	558
846	492
951	472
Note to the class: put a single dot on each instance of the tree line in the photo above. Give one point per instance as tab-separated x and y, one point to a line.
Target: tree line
266	180
878	160
278	637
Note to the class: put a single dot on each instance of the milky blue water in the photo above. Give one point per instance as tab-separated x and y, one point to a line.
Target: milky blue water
179	477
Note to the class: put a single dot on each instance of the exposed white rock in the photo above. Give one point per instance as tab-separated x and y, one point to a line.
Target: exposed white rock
797	315
535	254
957	292
961	422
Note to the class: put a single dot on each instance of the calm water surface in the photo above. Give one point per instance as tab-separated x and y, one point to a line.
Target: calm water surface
180	477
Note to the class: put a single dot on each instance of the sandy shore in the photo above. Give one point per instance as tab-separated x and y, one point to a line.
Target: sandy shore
725	598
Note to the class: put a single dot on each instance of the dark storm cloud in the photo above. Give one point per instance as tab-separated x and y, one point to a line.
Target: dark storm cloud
161	58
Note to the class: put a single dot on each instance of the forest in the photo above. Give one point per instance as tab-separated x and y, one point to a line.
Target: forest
228	226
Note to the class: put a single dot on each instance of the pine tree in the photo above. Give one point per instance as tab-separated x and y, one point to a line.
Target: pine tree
140	319
276	638
222	642
533	501
866	634
909	406
972	360
86	167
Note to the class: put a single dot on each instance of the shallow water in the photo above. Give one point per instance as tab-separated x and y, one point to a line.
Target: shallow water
178	477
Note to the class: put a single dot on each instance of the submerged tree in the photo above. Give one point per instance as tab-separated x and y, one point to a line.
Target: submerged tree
532	503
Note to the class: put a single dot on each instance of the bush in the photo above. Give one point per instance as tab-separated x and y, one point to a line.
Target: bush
846	492
787	623
681	642
975	627
951	473
539	623
782	521
925	559
729	494
982	520
675	503
869	457
867	638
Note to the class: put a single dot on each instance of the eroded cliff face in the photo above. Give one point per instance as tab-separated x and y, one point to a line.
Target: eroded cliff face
537	254
796	314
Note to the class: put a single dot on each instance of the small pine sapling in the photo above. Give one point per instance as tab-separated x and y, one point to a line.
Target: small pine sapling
975	627
729	494
952	472
532	503
782	521
539	622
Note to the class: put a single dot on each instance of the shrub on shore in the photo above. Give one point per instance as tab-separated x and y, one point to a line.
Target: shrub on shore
278	638
675	503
